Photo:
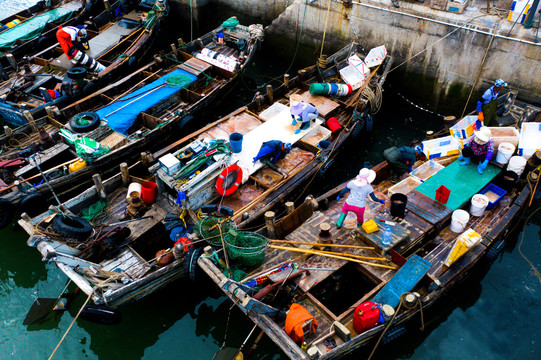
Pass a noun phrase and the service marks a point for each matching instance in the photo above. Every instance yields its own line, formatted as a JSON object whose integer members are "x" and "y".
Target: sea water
{"x": 190, "y": 321}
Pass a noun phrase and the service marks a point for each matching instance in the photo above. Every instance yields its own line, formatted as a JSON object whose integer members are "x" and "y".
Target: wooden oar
{"x": 321, "y": 244}
{"x": 313, "y": 252}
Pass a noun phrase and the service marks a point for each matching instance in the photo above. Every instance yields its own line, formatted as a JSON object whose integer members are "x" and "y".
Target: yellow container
{"x": 77, "y": 165}
{"x": 370, "y": 226}
{"x": 13, "y": 23}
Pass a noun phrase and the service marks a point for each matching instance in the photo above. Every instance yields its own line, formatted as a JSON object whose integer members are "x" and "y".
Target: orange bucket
{"x": 148, "y": 191}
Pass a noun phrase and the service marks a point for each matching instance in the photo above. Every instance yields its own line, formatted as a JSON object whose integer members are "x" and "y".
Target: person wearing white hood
{"x": 301, "y": 111}
{"x": 356, "y": 202}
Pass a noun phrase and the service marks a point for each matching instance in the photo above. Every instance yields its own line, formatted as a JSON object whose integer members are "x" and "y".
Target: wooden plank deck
{"x": 428, "y": 209}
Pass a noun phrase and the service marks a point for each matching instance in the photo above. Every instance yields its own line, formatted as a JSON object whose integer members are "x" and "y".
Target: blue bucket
{"x": 323, "y": 144}
{"x": 235, "y": 140}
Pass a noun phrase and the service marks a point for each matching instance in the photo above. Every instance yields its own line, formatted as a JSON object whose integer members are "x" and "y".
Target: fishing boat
{"x": 360, "y": 290}
{"x": 141, "y": 112}
{"x": 205, "y": 169}
{"x": 34, "y": 28}
{"x": 113, "y": 241}
{"x": 118, "y": 38}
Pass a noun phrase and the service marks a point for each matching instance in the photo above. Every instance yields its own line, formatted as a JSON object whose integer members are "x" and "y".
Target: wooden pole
{"x": 269, "y": 223}
{"x": 290, "y": 207}
{"x": 286, "y": 80}
{"x": 125, "y": 174}
{"x": 99, "y": 186}
{"x": 270, "y": 94}
{"x": 30, "y": 120}
{"x": 322, "y": 244}
{"x": 174, "y": 51}
{"x": 313, "y": 252}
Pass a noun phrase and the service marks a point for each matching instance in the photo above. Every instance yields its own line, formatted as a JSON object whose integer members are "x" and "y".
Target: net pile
{"x": 209, "y": 229}
{"x": 246, "y": 247}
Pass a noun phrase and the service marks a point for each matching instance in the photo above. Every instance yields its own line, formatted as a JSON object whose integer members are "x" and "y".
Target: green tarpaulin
{"x": 463, "y": 181}
{"x": 33, "y": 27}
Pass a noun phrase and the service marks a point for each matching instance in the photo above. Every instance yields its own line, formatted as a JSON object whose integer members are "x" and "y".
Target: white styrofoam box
{"x": 170, "y": 164}
{"x": 352, "y": 77}
{"x": 530, "y": 139}
{"x": 439, "y": 147}
{"x": 316, "y": 134}
{"x": 376, "y": 56}
{"x": 405, "y": 186}
{"x": 359, "y": 65}
{"x": 466, "y": 127}
{"x": 508, "y": 134}
{"x": 519, "y": 8}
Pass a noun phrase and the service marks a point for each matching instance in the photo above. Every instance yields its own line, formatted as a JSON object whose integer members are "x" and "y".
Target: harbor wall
{"x": 439, "y": 60}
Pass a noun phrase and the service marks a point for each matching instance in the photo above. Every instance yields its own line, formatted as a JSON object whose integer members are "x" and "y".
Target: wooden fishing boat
{"x": 117, "y": 41}
{"x": 268, "y": 118}
{"x": 155, "y": 106}
{"x": 34, "y": 29}
{"x": 365, "y": 290}
{"x": 125, "y": 252}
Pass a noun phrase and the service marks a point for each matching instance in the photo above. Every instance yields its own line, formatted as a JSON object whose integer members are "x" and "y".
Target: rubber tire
{"x": 185, "y": 121}
{"x": 393, "y": 333}
{"x": 358, "y": 129}
{"x": 94, "y": 122}
{"x": 495, "y": 250}
{"x": 73, "y": 227}
{"x": 191, "y": 269}
{"x": 6, "y": 212}
{"x": 101, "y": 314}
{"x": 76, "y": 73}
{"x": 33, "y": 204}
{"x": 212, "y": 208}
{"x": 89, "y": 88}
{"x": 325, "y": 168}
{"x": 369, "y": 124}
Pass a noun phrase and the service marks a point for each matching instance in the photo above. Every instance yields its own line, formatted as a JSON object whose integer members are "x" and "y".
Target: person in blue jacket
{"x": 487, "y": 106}
{"x": 360, "y": 188}
{"x": 271, "y": 151}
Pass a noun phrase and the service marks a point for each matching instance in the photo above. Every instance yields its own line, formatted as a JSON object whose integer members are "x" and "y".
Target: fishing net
{"x": 178, "y": 81}
{"x": 95, "y": 212}
{"x": 209, "y": 229}
{"x": 230, "y": 23}
{"x": 83, "y": 120}
{"x": 246, "y": 247}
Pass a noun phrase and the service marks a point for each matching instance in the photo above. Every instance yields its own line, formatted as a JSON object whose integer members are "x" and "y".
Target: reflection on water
{"x": 10, "y": 7}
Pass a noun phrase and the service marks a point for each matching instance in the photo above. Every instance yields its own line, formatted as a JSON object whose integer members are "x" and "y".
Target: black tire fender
{"x": 92, "y": 116}
{"x": 495, "y": 250}
{"x": 72, "y": 227}
{"x": 33, "y": 204}
{"x": 190, "y": 263}
{"x": 76, "y": 73}
{"x": 325, "y": 168}
{"x": 6, "y": 212}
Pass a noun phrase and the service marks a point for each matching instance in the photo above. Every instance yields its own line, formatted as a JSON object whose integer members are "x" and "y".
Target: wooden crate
{"x": 114, "y": 141}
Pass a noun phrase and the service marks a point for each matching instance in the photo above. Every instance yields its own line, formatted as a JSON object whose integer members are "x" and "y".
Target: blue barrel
{"x": 235, "y": 140}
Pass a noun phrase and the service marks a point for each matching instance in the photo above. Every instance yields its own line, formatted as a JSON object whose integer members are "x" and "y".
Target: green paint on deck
{"x": 463, "y": 181}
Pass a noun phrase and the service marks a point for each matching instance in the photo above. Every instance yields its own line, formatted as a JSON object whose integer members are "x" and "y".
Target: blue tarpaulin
{"x": 142, "y": 100}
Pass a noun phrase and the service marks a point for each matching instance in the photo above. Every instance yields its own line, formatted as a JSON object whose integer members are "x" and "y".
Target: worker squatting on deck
{"x": 356, "y": 202}
{"x": 74, "y": 41}
{"x": 402, "y": 158}
{"x": 487, "y": 105}
{"x": 301, "y": 112}
{"x": 480, "y": 148}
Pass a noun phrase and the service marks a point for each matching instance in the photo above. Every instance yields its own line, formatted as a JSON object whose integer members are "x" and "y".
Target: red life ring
{"x": 221, "y": 178}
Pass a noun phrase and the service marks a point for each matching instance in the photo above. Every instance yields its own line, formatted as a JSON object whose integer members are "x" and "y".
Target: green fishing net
{"x": 245, "y": 247}
{"x": 209, "y": 229}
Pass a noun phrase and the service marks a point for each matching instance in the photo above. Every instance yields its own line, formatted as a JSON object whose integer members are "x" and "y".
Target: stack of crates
{"x": 464, "y": 129}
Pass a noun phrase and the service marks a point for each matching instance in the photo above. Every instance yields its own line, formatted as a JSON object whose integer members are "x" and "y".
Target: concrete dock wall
{"x": 443, "y": 52}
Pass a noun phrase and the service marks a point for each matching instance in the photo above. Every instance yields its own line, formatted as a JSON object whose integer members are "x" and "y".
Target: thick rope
{"x": 325, "y": 29}
{"x": 535, "y": 270}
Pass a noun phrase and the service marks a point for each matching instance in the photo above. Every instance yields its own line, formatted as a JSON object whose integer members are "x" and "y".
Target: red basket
{"x": 442, "y": 194}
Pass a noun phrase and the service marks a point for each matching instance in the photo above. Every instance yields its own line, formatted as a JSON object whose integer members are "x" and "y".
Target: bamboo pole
{"x": 134, "y": 86}
{"x": 306, "y": 251}
{"x": 123, "y": 40}
{"x": 345, "y": 254}
{"x": 321, "y": 244}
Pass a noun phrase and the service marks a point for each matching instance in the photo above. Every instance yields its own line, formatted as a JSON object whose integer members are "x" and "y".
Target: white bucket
{"x": 505, "y": 151}
{"x": 459, "y": 219}
{"x": 134, "y": 190}
{"x": 479, "y": 203}
{"x": 517, "y": 164}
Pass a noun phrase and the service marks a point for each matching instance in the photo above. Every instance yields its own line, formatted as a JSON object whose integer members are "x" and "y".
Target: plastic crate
{"x": 442, "y": 194}
{"x": 405, "y": 186}
{"x": 465, "y": 127}
{"x": 427, "y": 170}
{"x": 498, "y": 192}
{"x": 530, "y": 139}
{"x": 438, "y": 4}
{"x": 456, "y": 6}
{"x": 439, "y": 147}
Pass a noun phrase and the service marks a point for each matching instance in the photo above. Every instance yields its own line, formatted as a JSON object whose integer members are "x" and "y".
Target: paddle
{"x": 41, "y": 307}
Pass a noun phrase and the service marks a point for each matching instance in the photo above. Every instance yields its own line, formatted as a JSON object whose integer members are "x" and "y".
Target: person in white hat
{"x": 480, "y": 148}
{"x": 301, "y": 112}
{"x": 71, "y": 38}
{"x": 356, "y": 202}
{"x": 487, "y": 106}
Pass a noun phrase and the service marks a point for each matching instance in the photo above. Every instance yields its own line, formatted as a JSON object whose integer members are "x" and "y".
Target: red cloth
{"x": 296, "y": 316}
{"x": 64, "y": 39}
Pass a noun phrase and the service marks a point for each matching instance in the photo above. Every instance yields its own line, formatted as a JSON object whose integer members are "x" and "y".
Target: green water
{"x": 495, "y": 314}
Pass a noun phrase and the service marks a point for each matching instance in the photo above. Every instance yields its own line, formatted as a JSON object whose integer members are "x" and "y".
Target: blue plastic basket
{"x": 495, "y": 189}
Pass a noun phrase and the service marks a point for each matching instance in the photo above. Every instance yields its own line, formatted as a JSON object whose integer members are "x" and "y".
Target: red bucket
{"x": 148, "y": 191}
{"x": 333, "y": 124}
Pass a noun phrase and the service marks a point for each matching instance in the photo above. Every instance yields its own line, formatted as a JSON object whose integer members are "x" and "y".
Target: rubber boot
{"x": 466, "y": 161}
{"x": 341, "y": 220}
